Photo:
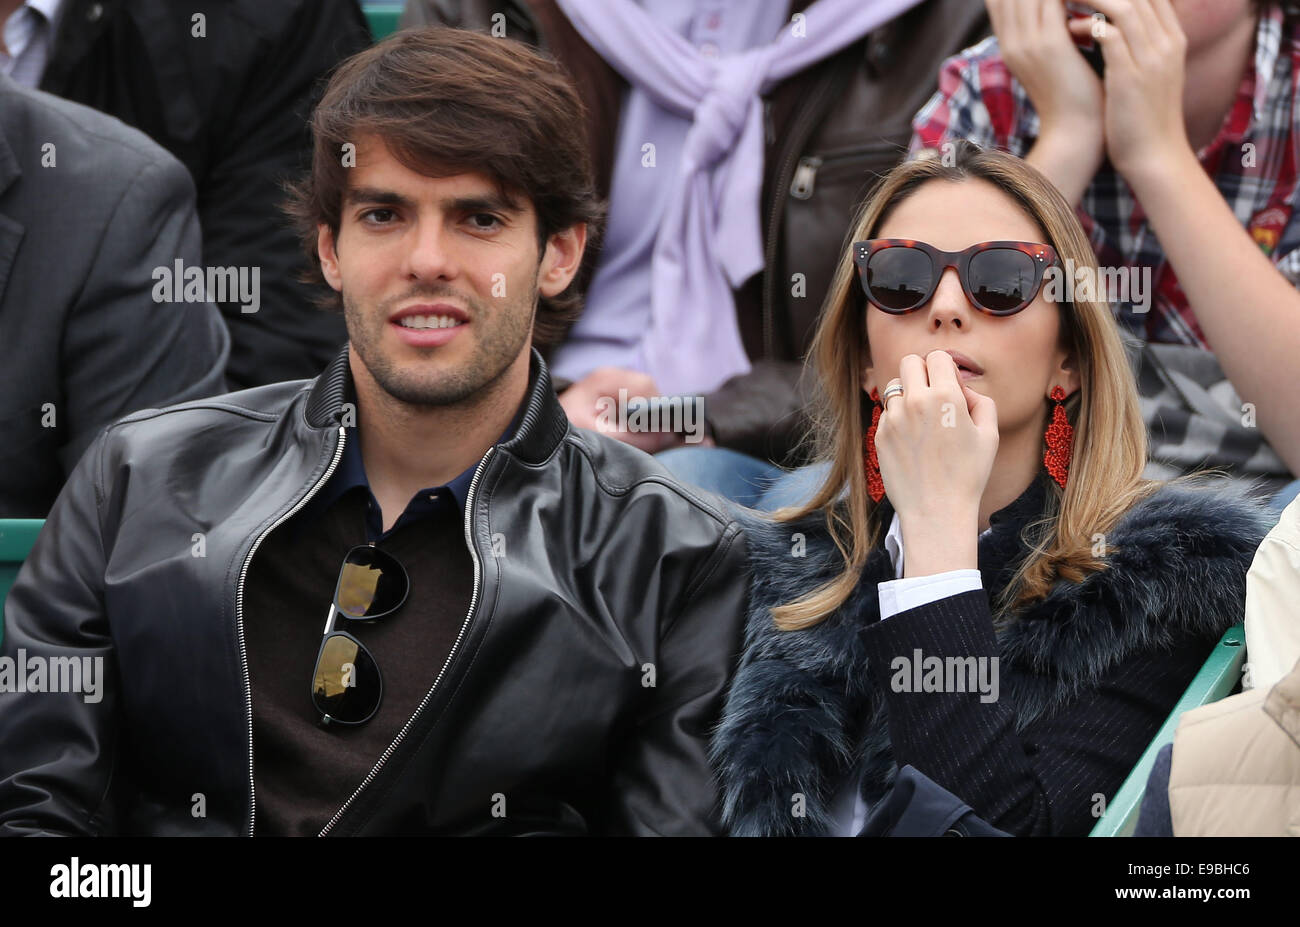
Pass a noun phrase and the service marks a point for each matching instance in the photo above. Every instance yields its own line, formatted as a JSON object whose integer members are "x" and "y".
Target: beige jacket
{"x": 1273, "y": 604}
{"x": 1236, "y": 765}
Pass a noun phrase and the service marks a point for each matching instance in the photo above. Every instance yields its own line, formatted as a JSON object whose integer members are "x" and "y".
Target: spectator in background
{"x": 1182, "y": 159}
{"x": 226, "y": 88}
{"x": 1236, "y": 765}
{"x": 720, "y": 296}
{"x": 1272, "y": 591}
{"x": 88, "y": 209}
{"x": 1233, "y": 768}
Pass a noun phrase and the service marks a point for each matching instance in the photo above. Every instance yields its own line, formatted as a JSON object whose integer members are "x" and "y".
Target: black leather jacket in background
{"x": 608, "y": 576}
{"x": 232, "y": 105}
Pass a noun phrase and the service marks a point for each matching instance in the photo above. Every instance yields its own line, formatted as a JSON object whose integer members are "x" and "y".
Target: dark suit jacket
{"x": 232, "y": 104}
{"x": 88, "y": 209}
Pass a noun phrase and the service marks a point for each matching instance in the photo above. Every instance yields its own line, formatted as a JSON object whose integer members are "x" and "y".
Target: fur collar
{"x": 802, "y": 714}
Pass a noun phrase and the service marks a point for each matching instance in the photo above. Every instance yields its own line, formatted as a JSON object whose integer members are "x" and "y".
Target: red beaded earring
{"x": 1059, "y": 438}
{"x": 875, "y": 485}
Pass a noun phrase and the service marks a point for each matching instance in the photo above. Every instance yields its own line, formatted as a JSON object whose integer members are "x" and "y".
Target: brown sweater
{"x": 303, "y": 771}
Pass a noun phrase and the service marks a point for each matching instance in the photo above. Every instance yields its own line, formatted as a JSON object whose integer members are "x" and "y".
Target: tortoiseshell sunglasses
{"x": 999, "y": 277}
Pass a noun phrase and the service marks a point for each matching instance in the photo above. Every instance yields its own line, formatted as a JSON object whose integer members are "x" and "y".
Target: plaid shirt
{"x": 1252, "y": 161}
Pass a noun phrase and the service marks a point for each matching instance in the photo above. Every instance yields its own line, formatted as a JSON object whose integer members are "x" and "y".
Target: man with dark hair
{"x": 405, "y": 597}
{"x": 474, "y": 131}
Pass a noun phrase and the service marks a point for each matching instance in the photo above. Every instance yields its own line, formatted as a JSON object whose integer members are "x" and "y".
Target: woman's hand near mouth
{"x": 936, "y": 444}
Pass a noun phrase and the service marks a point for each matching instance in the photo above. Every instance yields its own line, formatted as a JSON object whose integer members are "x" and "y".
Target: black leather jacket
{"x": 582, "y": 687}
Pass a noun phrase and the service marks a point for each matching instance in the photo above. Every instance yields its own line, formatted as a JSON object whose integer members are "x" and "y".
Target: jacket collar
{"x": 542, "y": 423}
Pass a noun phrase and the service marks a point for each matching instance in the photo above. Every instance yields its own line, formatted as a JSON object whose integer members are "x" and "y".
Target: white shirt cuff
{"x": 899, "y": 595}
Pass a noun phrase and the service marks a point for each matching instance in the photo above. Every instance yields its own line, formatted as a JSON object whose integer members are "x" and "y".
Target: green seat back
{"x": 382, "y": 18}
{"x": 17, "y": 535}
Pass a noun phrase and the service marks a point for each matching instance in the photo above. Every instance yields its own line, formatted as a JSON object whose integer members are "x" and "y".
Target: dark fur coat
{"x": 802, "y": 714}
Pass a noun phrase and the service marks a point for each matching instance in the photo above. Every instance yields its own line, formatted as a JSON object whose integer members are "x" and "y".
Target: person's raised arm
{"x": 978, "y": 102}
{"x": 1249, "y": 312}
{"x": 1066, "y": 94}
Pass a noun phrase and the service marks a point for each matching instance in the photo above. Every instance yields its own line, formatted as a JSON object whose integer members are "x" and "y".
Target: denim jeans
{"x": 735, "y": 476}
{"x": 740, "y": 478}
{"x": 1284, "y": 496}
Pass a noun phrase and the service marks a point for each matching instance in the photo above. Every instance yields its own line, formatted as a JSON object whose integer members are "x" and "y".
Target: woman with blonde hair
{"x": 983, "y": 586}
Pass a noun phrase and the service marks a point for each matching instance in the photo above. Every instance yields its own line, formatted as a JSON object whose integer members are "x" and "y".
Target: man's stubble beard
{"x": 501, "y": 336}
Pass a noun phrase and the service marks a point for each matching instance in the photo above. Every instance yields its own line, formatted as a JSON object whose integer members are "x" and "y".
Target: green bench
{"x": 1217, "y": 679}
{"x": 382, "y": 18}
{"x": 17, "y": 535}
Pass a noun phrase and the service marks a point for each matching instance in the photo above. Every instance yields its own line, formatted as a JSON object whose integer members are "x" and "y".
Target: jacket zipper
{"x": 464, "y": 626}
{"x": 239, "y": 615}
{"x": 798, "y": 137}
{"x": 805, "y": 175}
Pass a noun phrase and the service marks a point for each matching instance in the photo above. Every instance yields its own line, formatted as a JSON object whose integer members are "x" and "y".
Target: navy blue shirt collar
{"x": 351, "y": 474}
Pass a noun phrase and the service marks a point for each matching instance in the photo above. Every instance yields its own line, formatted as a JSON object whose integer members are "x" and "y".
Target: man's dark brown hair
{"x": 450, "y": 101}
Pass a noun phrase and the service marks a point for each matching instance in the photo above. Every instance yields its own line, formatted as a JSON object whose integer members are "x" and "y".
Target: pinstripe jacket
{"x": 1084, "y": 677}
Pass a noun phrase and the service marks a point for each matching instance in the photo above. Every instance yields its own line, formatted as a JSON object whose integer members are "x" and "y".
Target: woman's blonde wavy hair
{"x": 1110, "y": 444}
